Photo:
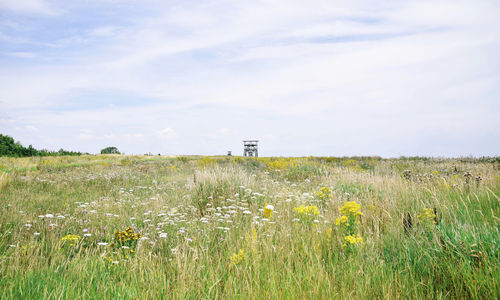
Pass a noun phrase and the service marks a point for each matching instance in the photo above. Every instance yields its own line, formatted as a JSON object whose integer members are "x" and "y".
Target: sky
{"x": 323, "y": 78}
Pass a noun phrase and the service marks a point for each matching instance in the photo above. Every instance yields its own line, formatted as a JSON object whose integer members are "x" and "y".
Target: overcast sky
{"x": 329, "y": 78}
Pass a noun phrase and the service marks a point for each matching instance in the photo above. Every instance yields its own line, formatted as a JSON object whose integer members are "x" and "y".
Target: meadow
{"x": 156, "y": 227}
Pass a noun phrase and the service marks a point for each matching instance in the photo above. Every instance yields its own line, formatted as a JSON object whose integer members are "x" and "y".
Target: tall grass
{"x": 204, "y": 233}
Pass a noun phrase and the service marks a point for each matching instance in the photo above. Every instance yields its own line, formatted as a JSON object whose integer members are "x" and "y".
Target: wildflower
{"x": 126, "y": 236}
{"x": 427, "y": 216}
{"x": 236, "y": 258}
{"x": 268, "y": 211}
{"x": 252, "y": 239}
{"x": 163, "y": 235}
{"x": 307, "y": 214}
{"x": 102, "y": 244}
{"x": 307, "y": 210}
{"x": 324, "y": 193}
{"x": 352, "y": 239}
{"x": 342, "y": 220}
{"x": 351, "y": 208}
{"x": 71, "y": 239}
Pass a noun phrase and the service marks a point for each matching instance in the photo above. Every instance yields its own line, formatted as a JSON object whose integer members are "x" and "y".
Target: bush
{"x": 110, "y": 150}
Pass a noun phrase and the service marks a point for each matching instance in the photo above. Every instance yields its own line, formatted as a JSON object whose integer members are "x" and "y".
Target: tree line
{"x": 9, "y": 147}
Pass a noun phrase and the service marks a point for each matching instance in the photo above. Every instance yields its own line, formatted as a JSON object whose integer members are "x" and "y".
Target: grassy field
{"x": 139, "y": 227}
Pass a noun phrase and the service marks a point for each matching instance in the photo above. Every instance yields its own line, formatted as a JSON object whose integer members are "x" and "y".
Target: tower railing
{"x": 250, "y": 148}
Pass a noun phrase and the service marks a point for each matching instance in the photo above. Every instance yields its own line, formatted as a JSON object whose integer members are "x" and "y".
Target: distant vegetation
{"x": 110, "y": 150}
{"x": 8, "y": 147}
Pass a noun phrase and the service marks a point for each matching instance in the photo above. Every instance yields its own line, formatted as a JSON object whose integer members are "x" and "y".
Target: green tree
{"x": 110, "y": 150}
{"x": 9, "y": 147}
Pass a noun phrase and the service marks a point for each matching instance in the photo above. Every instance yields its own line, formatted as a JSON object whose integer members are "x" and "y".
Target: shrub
{"x": 110, "y": 150}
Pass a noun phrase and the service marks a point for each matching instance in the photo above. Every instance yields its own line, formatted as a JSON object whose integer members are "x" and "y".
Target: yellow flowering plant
{"x": 427, "y": 219}
{"x": 70, "y": 239}
{"x": 307, "y": 213}
{"x": 127, "y": 239}
{"x": 268, "y": 211}
{"x": 348, "y": 221}
{"x": 126, "y": 242}
{"x": 251, "y": 240}
{"x": 324, "y": 194}
{"x": 237, "y": 258}
{"x": 350, "y": 215}
{"x": 427, "y": 216}
{"x": 342, "y": 220}
{"x": 352, "y": 239}
{"x": 351, "y": 208}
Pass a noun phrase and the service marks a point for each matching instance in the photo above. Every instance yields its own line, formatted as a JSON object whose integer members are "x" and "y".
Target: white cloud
{"x": 105, "y": 31}
{"x": 86, "y": 134}
{"x": 22, "y": 54}
{"x": 31, "y": 128}
{"x": 223, "y": 131}
{"x": 134, "y": 135}
{"x": 28, "y": 7}
{"x": 167, "y": 133}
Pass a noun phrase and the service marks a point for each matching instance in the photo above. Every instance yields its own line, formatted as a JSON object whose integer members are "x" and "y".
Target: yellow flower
{"x": 251, "y": 239}
{"x": 329, "y": 233}
{"x": 126, "y": 235}
{"x": 324, "y": 193}
{"x": 342, "y": 220}
{"x": 71, "y": 238}
{"x": 352, "y": 239}
{"x": 427, "y": 216}
{"x": 268, "y": 211}
{"x": 307, "y": 210}
{"x": 236, "y": 258}
{"x": 351, "y": 208}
